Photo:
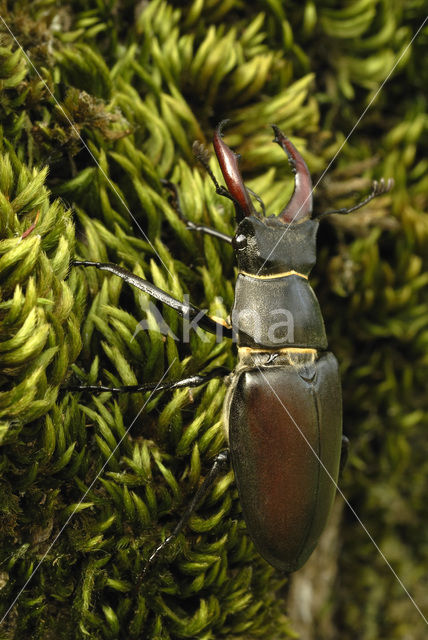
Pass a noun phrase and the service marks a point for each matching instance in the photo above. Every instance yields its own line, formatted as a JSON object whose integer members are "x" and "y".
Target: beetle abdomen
{"x": 285, "y": 418}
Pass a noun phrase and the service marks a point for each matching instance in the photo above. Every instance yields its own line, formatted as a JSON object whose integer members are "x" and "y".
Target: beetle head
{"x": 271, "y": 244}
{"x": 265, "y": 246}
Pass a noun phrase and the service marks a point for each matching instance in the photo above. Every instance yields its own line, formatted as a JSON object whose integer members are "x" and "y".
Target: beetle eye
{"x": 239, "y": 242}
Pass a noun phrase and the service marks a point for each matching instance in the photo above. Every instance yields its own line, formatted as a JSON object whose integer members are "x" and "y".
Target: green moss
{"x": 107, "y": 104}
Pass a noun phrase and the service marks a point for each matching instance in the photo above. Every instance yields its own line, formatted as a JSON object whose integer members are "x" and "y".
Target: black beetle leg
{"x": 192, "y": 226}
{"x": 220, "y": 464}
{"x": 191, "y": 381}
{"x": 187, "y": 310}
{"x": 344, "y": 453}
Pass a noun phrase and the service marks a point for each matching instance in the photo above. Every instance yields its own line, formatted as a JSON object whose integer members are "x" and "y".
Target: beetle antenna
{"x": 192, "y": 226}
{"x": 259, "y": 200}
{"x": 202, "y": 154}
{"x": 379, "y": 189}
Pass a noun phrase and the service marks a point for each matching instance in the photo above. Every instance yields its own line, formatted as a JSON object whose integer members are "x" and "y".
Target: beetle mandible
{"x": 282, "y": 412}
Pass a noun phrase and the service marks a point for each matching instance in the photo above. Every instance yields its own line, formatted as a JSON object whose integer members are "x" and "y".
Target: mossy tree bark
{"x": 100, "y": 104}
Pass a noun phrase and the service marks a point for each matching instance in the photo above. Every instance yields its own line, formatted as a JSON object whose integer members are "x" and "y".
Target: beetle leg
{"x": 379, "y": 189}
{"x": 187, "y": 310}
{"x": 192, "y": 226}
{"x": 191, "y": 381}
{"x": 344, "y": 453}
{"x": 220, "y": 465}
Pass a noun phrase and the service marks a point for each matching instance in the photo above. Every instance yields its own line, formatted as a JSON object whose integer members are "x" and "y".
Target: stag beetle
{"x": 282, "y": 412}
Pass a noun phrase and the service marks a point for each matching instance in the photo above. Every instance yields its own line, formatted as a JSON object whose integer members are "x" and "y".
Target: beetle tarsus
{"x": 220, "y": 465}
{"x": 154, "y": 387}
{"x": 186, "y": 310}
